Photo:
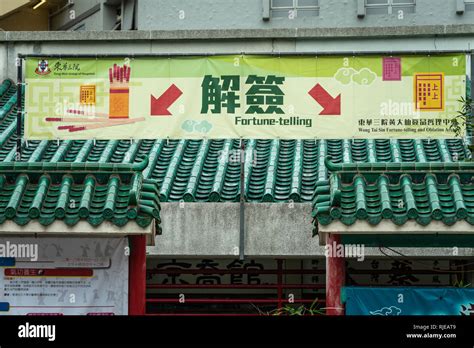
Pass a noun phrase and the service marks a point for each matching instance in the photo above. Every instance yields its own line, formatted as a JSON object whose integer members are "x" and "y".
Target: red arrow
{"x": 159, "y": 106}
{"x": 331, "y": 106}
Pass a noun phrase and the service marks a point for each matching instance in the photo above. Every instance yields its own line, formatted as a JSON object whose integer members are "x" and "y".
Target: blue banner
{"x": 7, "y": 262}
{"x": 408, "y": 301}
{"x": 4, "y": 306}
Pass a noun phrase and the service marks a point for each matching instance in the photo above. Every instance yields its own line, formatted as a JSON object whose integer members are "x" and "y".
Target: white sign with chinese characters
{"x": 72, "y": 276}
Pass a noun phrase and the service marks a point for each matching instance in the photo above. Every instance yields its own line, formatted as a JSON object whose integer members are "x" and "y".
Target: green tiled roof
{"x": 71, "y": 192}
{"x": 196, "y": 170}
{"x": 396, "y": 191}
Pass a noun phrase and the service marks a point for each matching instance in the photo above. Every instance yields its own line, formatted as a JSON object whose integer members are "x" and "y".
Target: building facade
{"x": 196, "y": 255}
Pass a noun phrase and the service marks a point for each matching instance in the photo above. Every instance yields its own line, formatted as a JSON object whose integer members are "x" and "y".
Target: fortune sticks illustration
{"x": 119, "y": 103}
{"x": 119, "y": 92}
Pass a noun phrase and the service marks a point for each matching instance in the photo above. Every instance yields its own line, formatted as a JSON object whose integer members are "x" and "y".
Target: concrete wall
{"x": 79, "y": 8}
{"x": 247, "y": 14}
{"x": 94, "y": 15}
{"x": 213, "y": 229}
{"x": 271, "y": 230}
{"x": 315, "y": 40}
{"x": 89, "y": 15}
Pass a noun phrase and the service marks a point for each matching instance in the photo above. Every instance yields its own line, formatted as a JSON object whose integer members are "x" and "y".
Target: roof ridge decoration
{"x": 76, "y": 167}
{"x": 71, "y": 192}
{"x": 383, "y": 167}
{"x": 409, "y": 191}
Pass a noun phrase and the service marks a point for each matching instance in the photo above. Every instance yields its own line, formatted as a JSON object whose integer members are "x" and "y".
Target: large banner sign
{"x": 408, "y": 301}
{"x": 63, "y": 276}
{"x": 244, "y": 96}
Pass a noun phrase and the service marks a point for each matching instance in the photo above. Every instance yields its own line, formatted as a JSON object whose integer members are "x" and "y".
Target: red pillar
{"x": 335, "y": 276}
{"x": 137, "y": 275}
{"x": 280, "y": 282}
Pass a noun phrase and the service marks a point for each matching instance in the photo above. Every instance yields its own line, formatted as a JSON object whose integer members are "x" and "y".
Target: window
{"x": 294, "y": 8}
{"x": 469, "y": 5}
{"x": 389, "y": 6}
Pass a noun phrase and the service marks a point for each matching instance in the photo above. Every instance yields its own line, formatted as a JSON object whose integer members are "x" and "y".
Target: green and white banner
{"x": 244, "y": 96}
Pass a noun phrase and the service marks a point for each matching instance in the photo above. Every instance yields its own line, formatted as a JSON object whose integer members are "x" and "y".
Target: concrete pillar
{"x": 3, "y": 60}
{"x": 335, "y": 277}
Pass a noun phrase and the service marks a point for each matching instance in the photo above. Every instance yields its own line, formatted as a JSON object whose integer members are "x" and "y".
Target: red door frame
{"x": 137, "y": 275}
{"x": 335, "y": 277}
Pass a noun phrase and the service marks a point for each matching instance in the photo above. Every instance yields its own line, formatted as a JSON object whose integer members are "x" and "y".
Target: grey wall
{"x": 271, "y": 230}
{"x": 90, "y": 15}
{"x": 212, "y": 229}
{"x": 80, "y": 7}
{"x": 230, "y": 26}
{"x": 315, "y": 40}
{"x": 247, "y": 14}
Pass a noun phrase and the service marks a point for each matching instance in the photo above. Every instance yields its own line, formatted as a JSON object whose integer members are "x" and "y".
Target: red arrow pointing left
{"x": 159, "y": 106}
{"x": 331, "y": 106}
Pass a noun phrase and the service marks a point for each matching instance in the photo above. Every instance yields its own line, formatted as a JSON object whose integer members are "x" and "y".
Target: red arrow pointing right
{"x": 331, "y": 106}
{"x": 159, "y": 106}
